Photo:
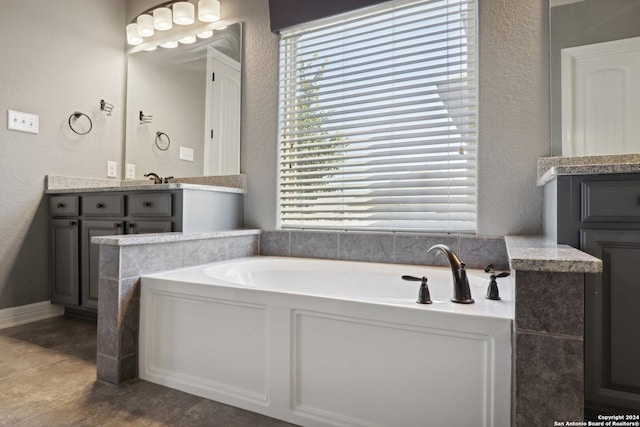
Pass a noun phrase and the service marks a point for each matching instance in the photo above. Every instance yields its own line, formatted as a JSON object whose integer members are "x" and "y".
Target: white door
{"x": 222, "y": 148}
{"x": 601, "y": 98}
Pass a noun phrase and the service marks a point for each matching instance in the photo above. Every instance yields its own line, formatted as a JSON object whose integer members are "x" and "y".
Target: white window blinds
{"x": 378, "y": 119}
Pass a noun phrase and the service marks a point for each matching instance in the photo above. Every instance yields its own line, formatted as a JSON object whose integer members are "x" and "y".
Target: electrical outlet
{"x": 131, "y": 171}
{"x": 112, "y": 169}
{"x": 23, "y": 122}
{"x": 186, "y": 154}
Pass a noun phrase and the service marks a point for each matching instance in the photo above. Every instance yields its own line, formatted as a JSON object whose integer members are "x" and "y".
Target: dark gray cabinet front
{"x": 600, "y": 214}
{"x": 612, "y": 323}
{"x": 63, "y": 247}
{"x": 90, "y": 257}
{"x": 77, "y": 218}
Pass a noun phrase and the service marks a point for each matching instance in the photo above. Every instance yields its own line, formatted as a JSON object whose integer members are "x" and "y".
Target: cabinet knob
{"x": 147, "y": 204}
{"x": 117, "y": 225}
{"x": 100, "y": 205}
{"x": 72, "y": 223}
{"x": 60, "y": 205}
{"x": 132, "y": 225}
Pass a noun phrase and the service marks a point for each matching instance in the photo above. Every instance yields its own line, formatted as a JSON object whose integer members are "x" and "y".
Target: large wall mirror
{"x": 184, "y": 107}
{"x": 600, "y": 43}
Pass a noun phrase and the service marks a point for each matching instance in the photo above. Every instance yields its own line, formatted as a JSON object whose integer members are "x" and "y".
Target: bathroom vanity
{"x": 594, "y": 204}
{"x": 76, "y": 216}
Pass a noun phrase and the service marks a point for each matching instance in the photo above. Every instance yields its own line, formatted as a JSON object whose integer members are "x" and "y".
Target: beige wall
{"x": 57, "y": 57}
{"x": 66, "y": 55}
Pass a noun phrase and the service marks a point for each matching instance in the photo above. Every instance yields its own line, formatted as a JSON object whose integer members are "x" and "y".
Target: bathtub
{"x": 330, "y": 343}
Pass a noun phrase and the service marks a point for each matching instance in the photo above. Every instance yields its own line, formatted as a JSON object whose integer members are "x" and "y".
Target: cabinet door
{"x": 90, "y": 258}
{"x": 612, "y": 321}
{"x": 63, "y": 260}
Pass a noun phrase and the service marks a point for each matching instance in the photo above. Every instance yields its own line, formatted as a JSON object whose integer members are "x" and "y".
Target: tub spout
{"x": 461, "y": 290}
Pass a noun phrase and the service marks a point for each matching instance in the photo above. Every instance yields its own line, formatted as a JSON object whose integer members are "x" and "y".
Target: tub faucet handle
{"x": 424, "y": 297}
{"x": 492, "y": 291}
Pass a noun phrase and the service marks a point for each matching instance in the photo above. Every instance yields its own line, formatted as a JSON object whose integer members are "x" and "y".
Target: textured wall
{"x": 514, "y": 114}
{"x": 57, "y": 57}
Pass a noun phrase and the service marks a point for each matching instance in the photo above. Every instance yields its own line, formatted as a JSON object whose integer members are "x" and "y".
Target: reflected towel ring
{"x": 162, "y": 141}
{"x": 76, "y": 116}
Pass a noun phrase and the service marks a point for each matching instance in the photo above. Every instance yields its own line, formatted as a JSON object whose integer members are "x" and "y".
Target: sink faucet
{"x": 461, "y": 290}
{"x": 155, "y": 177}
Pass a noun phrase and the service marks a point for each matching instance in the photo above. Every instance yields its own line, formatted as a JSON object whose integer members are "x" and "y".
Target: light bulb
{"x": 209, "y": 10}
{"x": 133, "y": 37}
{"x": 183, "y": 12}
{"x": 162, "y": 19}
{"x": 170, "y": 45}
{"x": 205, "y": 34}
{"x": 188, "y": 39}
{"x": 145, "y": 25}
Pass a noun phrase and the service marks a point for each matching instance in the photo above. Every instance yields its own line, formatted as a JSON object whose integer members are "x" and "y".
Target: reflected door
{"x": 601, "y": 98}
{"x": 223, "y": 147}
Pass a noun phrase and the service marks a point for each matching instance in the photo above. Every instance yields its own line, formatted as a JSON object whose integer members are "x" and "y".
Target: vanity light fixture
{"x": 145, "y": 25}
{"x": 162, "y": 20}
{"x": 133, "y": 36}
{"x": 208, "y": 10}
{"x": 183, "y": 13}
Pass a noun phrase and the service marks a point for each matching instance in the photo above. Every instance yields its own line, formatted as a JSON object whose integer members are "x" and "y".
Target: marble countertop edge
{"x": 147, "y": 187}
{"x": 549, "y": 168}
{"x": 59, "y": 184}
{"x": 154, "y": 238}
{"x": 535, "y": 253}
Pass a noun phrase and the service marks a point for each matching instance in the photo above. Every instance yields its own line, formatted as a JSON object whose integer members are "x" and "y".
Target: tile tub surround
{"x": 123, "y": 259}
{"x": 551, "y": 167}
{"x": 548, "y": 330}
{"x": 397, "y": 248}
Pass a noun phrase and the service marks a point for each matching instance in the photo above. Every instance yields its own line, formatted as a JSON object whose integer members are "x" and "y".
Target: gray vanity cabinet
{"x": 76, "y": 219}
{"x": 600, "y": 214}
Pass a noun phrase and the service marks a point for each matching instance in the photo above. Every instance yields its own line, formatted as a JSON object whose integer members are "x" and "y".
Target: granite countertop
{"x": 146, "y": 187}
{"x": 535, "y": 253}
{"x": 551, "y": 167}
{"x": 151, "y": 238}
{"x": 56, "y": 184}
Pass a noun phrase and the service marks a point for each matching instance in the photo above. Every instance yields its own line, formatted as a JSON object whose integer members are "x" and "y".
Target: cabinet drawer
{"x": 150, "y": 204}
{"x": 103, "y": 205}
{"x": 63, "y": 205}
{"x": 611, "y": 201}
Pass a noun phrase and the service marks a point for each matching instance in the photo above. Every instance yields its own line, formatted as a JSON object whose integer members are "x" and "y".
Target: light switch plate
{"x": 186, "y": 154}
{"x": 131, "y": 171}
{"x": 112, "y": 169}
{"x": 23, "y": 122}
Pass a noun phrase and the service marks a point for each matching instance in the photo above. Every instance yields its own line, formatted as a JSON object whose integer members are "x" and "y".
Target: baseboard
{"x": 14, "y": 316}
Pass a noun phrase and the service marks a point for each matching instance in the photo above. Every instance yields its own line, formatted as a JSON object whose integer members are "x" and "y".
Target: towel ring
{"x": 162, "y": 141}
{"x": 77, "y": 115}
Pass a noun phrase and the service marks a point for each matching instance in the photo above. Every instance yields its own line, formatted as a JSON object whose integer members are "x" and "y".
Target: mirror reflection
{"x": 191, "y": 96}
{"x": 589, "y": 103}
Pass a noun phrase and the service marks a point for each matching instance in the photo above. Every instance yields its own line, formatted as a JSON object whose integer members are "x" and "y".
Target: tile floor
{"x": 48, "y": 378}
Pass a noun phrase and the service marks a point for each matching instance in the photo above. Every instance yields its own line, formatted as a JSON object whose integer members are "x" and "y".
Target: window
{"x": 378, "y": 119}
